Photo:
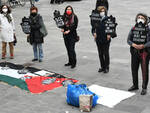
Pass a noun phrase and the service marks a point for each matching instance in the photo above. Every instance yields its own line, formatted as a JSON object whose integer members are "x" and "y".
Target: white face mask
{"x": 5, "y": 10}
{"x": 102, "y": 14}
{"x": 140, "y": 20}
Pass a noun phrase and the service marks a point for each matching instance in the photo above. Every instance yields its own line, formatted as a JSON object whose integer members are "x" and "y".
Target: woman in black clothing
{"x": 102, "y": 3}
{"x": 102, "y": 40}
{"x": 70, "y": 35}
{"x": 139, "y": 41}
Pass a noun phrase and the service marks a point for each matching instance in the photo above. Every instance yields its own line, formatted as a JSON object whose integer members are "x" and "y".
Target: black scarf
{"x": 7, "y": 15}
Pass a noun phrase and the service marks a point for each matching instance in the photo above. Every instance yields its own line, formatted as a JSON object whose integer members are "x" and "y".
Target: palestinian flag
{"x": 32, "y": 79}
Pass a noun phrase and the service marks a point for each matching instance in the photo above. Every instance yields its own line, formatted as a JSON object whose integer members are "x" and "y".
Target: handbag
{"x": 15, "y": 40}
{"x": 77, "y": 38}
{"x": 43, "y": 29}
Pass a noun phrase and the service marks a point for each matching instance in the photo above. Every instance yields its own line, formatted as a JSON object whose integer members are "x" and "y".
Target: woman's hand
{"x": 95, "y": 35}
{"x": 67, "y": 32}
{"x": 108, "y": 37}
{"x": 62, "y": 30}
{"x": 138, "y": 46}
{"x": 141, "y": 46}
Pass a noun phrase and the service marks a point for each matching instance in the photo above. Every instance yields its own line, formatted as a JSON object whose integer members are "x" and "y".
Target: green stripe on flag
{"x": 14, "y": 82}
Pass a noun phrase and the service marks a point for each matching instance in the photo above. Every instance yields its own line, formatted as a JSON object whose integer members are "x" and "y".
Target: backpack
{"x": 26, "y": 28}
{"x": 43, "y": 29}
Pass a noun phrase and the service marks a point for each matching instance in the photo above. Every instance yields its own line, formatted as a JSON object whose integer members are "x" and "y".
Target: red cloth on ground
{"x": 35, "y": 84}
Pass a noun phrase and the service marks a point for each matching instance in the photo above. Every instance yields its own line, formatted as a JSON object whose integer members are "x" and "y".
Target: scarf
{"x": 8, "y": 17}
{"x": 69, "y": 20}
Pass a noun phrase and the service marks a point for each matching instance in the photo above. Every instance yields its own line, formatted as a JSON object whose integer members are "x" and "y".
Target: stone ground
{"x": 15, "y": 100}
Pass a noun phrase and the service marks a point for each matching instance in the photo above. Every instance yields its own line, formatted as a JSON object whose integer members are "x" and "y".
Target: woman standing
{"x": 7, "y": 30}
{"x": 139, "y": 41}
{"x": 102, "y": 40}
{"x": 70, "y": 35}
{"x": 36, "y": 36}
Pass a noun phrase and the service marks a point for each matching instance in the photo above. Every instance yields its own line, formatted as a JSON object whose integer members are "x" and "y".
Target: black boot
{"x": 132, "y": 88}
{"x": 34, "y": 60}
{"x": 68, "y": 64}
{"x": 73, "y": 66}
{"x": 144, "y": 91}
{"x": 100, "y": 70}
{"x": 106, "y": 70}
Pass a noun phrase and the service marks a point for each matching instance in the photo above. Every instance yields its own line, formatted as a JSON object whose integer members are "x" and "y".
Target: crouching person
{"x": 36, "y": 37}
{"x": 7, "y": 30}
{"x": 139, "y": 41}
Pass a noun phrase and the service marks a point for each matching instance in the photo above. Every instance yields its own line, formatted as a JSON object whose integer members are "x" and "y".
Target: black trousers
{"x": 70, "y": 46}
{"x": 103, "y": 51}
{"x": 137, "y": 58}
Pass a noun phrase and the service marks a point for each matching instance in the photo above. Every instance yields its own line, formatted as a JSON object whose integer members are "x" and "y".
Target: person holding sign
{"x": 37, "y": 34}
{"x": 70, "y": 35}
{"x": 139, "y": 41}
{"x": 102, "y": 39}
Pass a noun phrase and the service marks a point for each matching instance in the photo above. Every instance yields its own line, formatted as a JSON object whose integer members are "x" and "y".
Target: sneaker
{"x": 40, "y": 60}
{"x": 34, "y": 60}
{"x": 11, "y": 57}
{"x": 3, "y": 58}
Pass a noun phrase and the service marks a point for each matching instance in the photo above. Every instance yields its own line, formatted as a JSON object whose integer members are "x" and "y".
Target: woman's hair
{"x": 142, "y": 14}
{"x": 9, "y": 10}
{"x": 100, "y": 8}
{"x": 67, "y": 8}
{"x": 33, "y": 8}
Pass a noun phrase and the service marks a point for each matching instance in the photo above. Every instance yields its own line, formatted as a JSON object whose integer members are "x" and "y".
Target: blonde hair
{"x": 99, "y": 8}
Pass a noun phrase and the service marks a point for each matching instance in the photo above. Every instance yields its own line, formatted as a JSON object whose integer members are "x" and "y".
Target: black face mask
{"x": 33, "y": 14}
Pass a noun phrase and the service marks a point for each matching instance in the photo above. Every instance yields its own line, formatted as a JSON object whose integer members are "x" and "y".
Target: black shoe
{"x": 40, "y": 60}
{"x": 100, "y": 70}
{"x": 106, "y": 70}
{"x": 73, "y": 66}
{"x": 34, "y": 60}
{"x": 3, "y": 58}
{"x": 132, "y": 88}
{"x": 68, "y": 64}
{"x": 144, "y": 91}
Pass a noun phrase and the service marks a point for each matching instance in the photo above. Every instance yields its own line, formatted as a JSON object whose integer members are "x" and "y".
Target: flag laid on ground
{"x": 30, "y": 78}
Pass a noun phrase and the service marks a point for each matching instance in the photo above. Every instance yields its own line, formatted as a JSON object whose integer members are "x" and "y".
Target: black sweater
{"x": 100, "y": 32}
{"x": 72, "y": 28}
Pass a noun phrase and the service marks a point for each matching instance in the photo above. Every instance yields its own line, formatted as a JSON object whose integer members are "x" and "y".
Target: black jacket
{"x": 130, "y": 36}
{"x": 100, "y": 32}
{"x": 36, "y": 36}
{"x": 102, "y": 3}
{"x": 72, "y": 28}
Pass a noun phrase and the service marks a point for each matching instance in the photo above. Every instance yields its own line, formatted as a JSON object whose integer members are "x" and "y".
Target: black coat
{"x": 102, "y": 3}
{"x": 35, "y": 35}
{"x": 72, "y": 28}
{"x": 100, "y": 32}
